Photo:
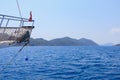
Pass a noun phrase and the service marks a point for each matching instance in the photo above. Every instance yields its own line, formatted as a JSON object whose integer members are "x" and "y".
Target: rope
{"x": 13, "y": 57}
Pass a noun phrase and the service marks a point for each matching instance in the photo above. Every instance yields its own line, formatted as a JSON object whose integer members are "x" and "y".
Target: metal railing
{"x": 6, "y": 19}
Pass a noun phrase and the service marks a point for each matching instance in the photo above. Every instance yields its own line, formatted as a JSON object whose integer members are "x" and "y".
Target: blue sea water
{"x": 60, "y": 63}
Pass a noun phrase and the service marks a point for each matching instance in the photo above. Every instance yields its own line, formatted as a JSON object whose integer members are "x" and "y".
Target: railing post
{"x": 32, "y": 23}
{"x": 7, "y": 22}
{"x": 21, "y": 22}
{"x": 1, "y": 21}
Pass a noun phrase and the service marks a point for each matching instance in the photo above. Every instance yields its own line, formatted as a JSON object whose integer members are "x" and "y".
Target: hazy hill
{"x": 87, "y": 42}
{"x": 117, "y": 45}
{"x": 38, "y": 41}
{"x": 66, "y": 41}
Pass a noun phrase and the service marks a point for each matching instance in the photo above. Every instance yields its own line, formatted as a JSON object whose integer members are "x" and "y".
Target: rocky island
{"x": 66, "y": 41}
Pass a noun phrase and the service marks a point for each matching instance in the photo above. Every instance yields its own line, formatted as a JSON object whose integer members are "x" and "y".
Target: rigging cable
{"x": 20, "y": 48}
{"x": 19, "y": 8}
{"x": 13, "y": 57}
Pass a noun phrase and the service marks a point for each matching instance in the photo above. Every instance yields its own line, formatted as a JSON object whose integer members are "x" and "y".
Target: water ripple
{"x": 61, "y": 63}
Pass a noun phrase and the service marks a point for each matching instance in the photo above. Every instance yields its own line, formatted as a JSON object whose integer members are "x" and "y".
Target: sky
{"x": 98, "y": 20}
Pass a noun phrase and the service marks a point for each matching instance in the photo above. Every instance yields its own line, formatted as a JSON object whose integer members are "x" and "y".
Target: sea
{"x": 60, "y": 63}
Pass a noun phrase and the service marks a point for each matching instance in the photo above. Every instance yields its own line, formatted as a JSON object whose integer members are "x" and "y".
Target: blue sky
{"x": 98, "y": 20}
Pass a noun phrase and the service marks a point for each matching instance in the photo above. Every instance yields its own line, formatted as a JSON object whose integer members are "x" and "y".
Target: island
{"x": 65, "y": 41}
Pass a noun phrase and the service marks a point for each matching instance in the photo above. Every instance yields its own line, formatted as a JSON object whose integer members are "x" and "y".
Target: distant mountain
{"x": 117, "y": 45}
{"x": 66, "y": 41}
{"x": 38, "y": 41}
{"x": 87, "y": 42}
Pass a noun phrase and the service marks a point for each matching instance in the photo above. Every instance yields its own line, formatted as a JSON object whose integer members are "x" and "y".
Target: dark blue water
{"x": 61, "y": 63}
